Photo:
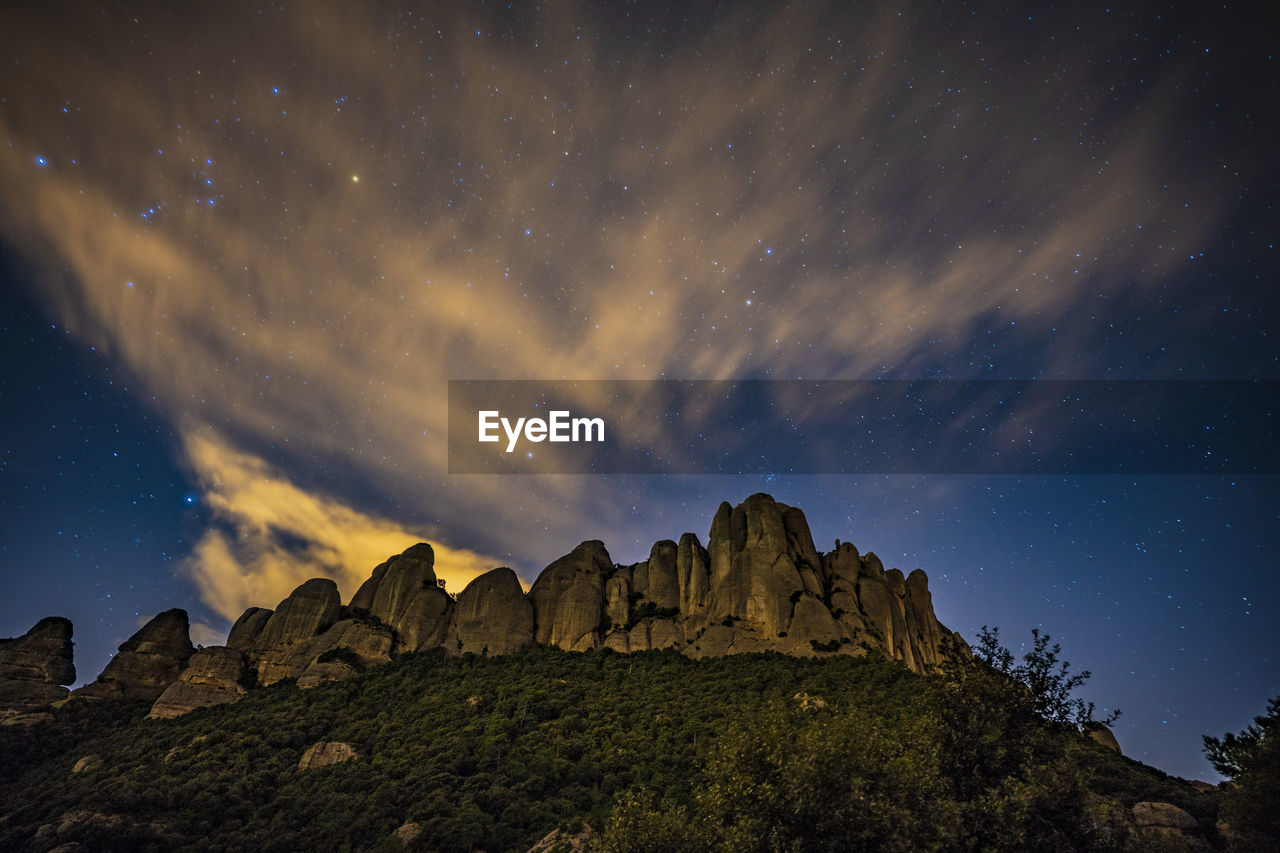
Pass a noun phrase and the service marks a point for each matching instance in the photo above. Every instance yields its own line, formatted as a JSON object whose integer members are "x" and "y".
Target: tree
{"x": 1251, "y": 760}
{"x": 1049, "y": 681}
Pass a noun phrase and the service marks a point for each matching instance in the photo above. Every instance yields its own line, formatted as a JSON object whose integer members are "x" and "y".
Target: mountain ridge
{"x": 759, "y": 584}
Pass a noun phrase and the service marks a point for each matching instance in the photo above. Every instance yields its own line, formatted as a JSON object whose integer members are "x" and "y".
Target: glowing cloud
{"x": 270, "y": 536}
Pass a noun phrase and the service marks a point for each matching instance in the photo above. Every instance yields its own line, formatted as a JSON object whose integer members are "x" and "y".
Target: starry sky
{"x": 244, "y": 248}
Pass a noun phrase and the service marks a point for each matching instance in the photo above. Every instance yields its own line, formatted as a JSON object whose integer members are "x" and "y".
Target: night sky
{"x": 243, "y": 249}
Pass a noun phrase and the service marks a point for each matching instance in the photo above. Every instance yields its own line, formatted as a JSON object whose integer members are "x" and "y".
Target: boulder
{"x": 87, "y": 764}
{"x": 566, "y": 841}
{"x": 146, "y": 663}
{"x": 213, "y": 676}
{"x": 325, "y": 753}
{"x": 1100, "y": 733}
{"x": 407, "y": 832}
{"x": 1162, "y": 815}
{"x": 492, "y": 613}
{"x": 1166, "y": 827}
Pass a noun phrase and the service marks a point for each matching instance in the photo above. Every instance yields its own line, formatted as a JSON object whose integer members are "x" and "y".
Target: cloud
{"x": 270, "y": 536}
{"x": 206, "y": 635}
{"x": 545, "y": 199}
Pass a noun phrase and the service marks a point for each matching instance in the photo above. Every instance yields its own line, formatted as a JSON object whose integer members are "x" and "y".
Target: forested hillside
{"x": 652, "y": 750}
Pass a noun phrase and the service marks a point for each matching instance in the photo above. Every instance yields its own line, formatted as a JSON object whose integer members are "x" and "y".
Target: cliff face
{"x": 147, "y": 662}
{"x": 759, "y": 584}
{"x": 32, "y": 669}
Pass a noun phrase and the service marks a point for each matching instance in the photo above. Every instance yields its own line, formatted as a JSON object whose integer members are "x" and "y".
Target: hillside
{"x": 753, "y": 694}
{"x": 492, "y": 753}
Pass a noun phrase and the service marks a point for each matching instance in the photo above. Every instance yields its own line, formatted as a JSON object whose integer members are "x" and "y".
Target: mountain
{"x": 752, "y": 694}
{"x": 759, "y": 585}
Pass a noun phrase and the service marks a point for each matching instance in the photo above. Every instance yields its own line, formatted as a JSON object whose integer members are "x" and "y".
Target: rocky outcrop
{"x": 87, "y": 764}
{"x": 1169, "y": 826}
{"x": 33, "y": 669}
{"x": 492, "y": 614}
{"x": 245, "y": 632}
{"x": 310, "y": 609}
{"x": 403, "y": 593}
{"x": 406, "y": 832}
{"x": 356, "y": 644}
{"x": 325, "y": 753}
{"x": 568, "y": 598}
{"x": 213, "y": 676}
{"x": 147, "y": 663}
{"x": 693, "y": 567}
{"x": 759, "y": 585}
{"x": 1100, "y": 733}
{"x": 657, "y": 579}
{"x": 755, "y": 567}
{"x": 566, "y": 840}
{"x": 349, "y": 647}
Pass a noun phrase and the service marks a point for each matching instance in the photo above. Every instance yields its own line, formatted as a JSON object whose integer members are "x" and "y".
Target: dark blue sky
{"x": 243, "y": 253}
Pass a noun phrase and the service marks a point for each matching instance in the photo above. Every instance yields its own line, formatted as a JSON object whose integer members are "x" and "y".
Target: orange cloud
{"x": 271, "y": 536}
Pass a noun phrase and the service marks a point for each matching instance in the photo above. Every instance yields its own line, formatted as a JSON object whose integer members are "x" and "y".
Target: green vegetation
{"x": 1251, "y": 760}
{"x": 657, "y": 751}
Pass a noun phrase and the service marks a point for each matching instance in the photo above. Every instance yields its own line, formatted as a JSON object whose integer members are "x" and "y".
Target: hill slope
{"x": 491, "y": 753}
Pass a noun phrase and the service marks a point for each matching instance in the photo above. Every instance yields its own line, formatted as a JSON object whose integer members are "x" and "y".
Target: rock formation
{"x": 212, "y": 676}
{"x": 1168, "y": 827}
{"x": 308, "y": 610}
{"x": 760, "y": 584}
{"x": 568, "y": 598}
{"x": 492, "y": 614}
{"x": 33, "y": 669}
{"x": 404, "y": 594}
{"x": 325, "y": 753}
{"x": 147, "y": 663}
{"x": 1100, "y": 733}
{"x": 245, "y": 632}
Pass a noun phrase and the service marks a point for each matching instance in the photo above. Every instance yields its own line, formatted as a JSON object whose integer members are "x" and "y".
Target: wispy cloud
{"x": 270, "y": 536}
{"x": 299, "y": 241}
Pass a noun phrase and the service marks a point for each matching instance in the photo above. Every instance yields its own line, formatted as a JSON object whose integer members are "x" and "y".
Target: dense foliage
{"x": 655, "y": 750}
{"x": 1251, "y": 760}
